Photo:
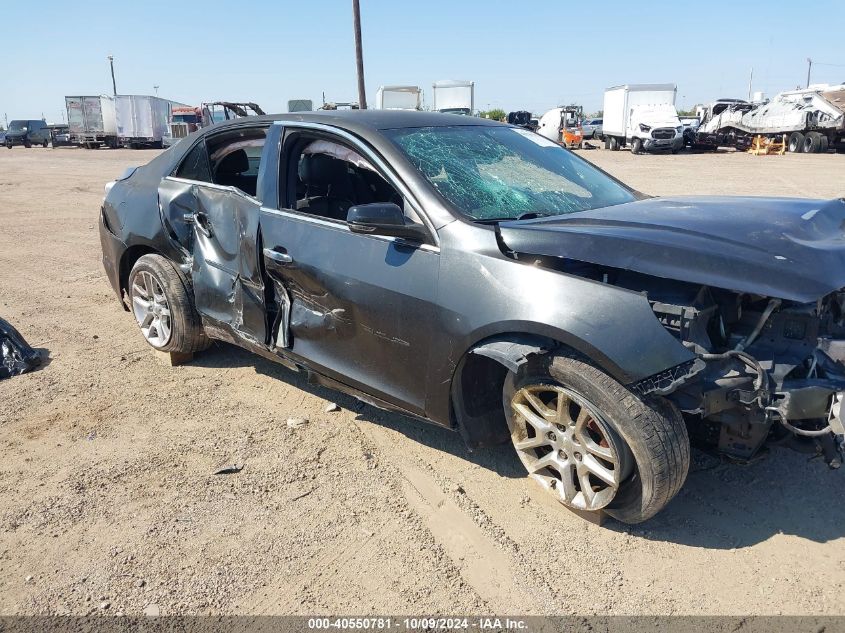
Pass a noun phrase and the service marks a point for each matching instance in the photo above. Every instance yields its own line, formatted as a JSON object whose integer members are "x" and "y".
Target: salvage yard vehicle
{"x": 453, "y": 96}
{"x": 27, "y": 132}
{"x": 562, "y": 125}
{"x": 481, "y": 277}
{"x": 60, "y": 136}
{"x": 91, "y": 120}
{"x": 642, "y": 116}
{"x": 811, "y": 119}
{"x": 399, "y": 98}
{"x": 187, "y": 119}
{"x": 592, "y": 128}
{"x": 142, "y": 120}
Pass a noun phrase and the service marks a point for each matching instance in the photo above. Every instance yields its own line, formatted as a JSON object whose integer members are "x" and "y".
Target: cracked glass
{"x": 505, "y": 173}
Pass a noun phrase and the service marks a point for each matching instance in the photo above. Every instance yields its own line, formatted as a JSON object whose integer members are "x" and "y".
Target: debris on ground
{"x": 331, "y": 407}
{"x": 16, "y": 356}
{"x": 295, "y": 423}
{"x": 229, "y": 469}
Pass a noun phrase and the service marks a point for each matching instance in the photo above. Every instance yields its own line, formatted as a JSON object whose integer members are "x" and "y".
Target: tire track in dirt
{"x": 488, "y": 560}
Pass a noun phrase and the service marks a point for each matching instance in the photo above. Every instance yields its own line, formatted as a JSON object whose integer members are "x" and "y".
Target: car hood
{"x": 792, "y": 249}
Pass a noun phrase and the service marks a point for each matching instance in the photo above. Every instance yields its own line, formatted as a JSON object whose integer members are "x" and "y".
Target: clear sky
{"x": 522, "y": 55}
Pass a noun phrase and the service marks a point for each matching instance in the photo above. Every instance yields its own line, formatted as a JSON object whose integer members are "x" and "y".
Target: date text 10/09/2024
{"x": 419, "y": 623}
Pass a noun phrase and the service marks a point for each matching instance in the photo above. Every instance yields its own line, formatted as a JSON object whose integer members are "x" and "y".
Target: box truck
{"x": 91, "y": 121}
{"x": 454, "y": 96}
{"x": 644, "y": 116}
{"x": 142, "y": 120}
{"x": 399, "y": 98}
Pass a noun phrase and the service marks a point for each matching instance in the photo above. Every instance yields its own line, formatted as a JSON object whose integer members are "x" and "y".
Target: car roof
{"x": 362, "y": 121}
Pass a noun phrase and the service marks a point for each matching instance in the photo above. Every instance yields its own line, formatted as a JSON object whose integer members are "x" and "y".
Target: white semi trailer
{"x": 812, "y": 120}
{"x": 399, "y": 98}
{"x": 454, "y": 96}
{"x": 91, "y": 121}
{"x": 644, "y": 116}
{"x": 142, "y": 120}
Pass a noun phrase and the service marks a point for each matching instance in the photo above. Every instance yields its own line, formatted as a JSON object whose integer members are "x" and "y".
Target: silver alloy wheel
{"x": 567, "y": 446}
{"x": 152, "y": 312}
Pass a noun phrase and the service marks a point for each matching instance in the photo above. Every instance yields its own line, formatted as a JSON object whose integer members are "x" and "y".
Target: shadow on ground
{"x": 721, "y": 506}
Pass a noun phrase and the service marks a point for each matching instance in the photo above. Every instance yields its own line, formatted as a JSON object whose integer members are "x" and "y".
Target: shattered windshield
{"x": 505, "y": 173}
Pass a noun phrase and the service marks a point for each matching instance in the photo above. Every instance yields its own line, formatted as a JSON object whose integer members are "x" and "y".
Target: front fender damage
{"x": 479, "y": 380}
{"x": 514, "y": 351}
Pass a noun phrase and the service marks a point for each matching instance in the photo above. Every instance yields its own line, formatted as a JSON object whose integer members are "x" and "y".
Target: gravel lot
{"x": 108, "y": 502}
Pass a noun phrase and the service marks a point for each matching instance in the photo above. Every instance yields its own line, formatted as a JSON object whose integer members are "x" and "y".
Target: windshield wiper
{"x": 531, "y": 215}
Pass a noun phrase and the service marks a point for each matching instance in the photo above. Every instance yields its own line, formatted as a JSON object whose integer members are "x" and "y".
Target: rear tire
{"x": 824, "y": 144}
{"x": 156, "y": 286}
{"x": 812, "y": 143}
{"x": 644, "y": 441}
{"x": 796, "y": 142}
{"x": 614, "y": 144}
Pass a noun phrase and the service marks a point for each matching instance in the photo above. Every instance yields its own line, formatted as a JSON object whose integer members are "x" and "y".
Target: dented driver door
{"x": 359, "y": 307}
{"x": 217, "y": 227}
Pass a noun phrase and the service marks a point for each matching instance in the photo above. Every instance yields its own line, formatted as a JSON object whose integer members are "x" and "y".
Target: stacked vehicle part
{"x": 813, "y": 120}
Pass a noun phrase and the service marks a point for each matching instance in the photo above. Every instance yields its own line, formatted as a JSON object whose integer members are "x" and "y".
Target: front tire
{"x": 163, "y": 305}
{"x": 591, "y": 442}
{"x": 637, "y": 146}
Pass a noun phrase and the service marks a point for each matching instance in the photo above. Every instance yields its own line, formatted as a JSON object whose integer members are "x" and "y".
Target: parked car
{"x": 690, "y": 125}
{"x": 27, "y": 132}
{"x": 480, "y": 277}
{"x": 592, "y": 128}
{"x": 2, "y": 137}
{"x": 60, "y": 136}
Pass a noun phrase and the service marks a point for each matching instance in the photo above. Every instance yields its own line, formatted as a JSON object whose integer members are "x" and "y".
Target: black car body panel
{"x": 779, "y": 247}
{"x": 397, "y": 322}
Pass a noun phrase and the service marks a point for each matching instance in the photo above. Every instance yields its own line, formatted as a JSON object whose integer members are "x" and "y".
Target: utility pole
{"x": 750, "y": 79}
{"x": 359, "y": 54}
{"x": 113, "y": 84}
{"x": 156, "y": 89}
{"x": 809, "y": 68}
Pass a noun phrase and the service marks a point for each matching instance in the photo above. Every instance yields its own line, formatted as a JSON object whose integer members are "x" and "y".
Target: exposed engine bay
{"x": 767, "y": 370}
{"x": 753, "y": 287}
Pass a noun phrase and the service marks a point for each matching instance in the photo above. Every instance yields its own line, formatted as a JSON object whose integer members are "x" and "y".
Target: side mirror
{"x": 384, "y": 218}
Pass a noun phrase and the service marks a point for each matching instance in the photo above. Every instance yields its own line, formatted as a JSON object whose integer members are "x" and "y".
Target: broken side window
{"x": 195, "y": 165}
{"x": 235, "y": 158}
{"x": 331, "y": 178}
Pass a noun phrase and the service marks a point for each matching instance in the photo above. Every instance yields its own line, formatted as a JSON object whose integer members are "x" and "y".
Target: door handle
{"x": 202, "y": 223}
{"x": 278, "y": 255}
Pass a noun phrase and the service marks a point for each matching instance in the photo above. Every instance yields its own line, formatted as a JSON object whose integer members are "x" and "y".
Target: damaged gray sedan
{"x": 478, "y": 276}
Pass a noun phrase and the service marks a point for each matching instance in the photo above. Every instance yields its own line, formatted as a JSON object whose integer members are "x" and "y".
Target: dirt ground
{"x": 108, "y": 502}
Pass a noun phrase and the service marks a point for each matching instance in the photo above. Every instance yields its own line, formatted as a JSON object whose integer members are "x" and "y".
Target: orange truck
{"x": 563, "y": 125}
